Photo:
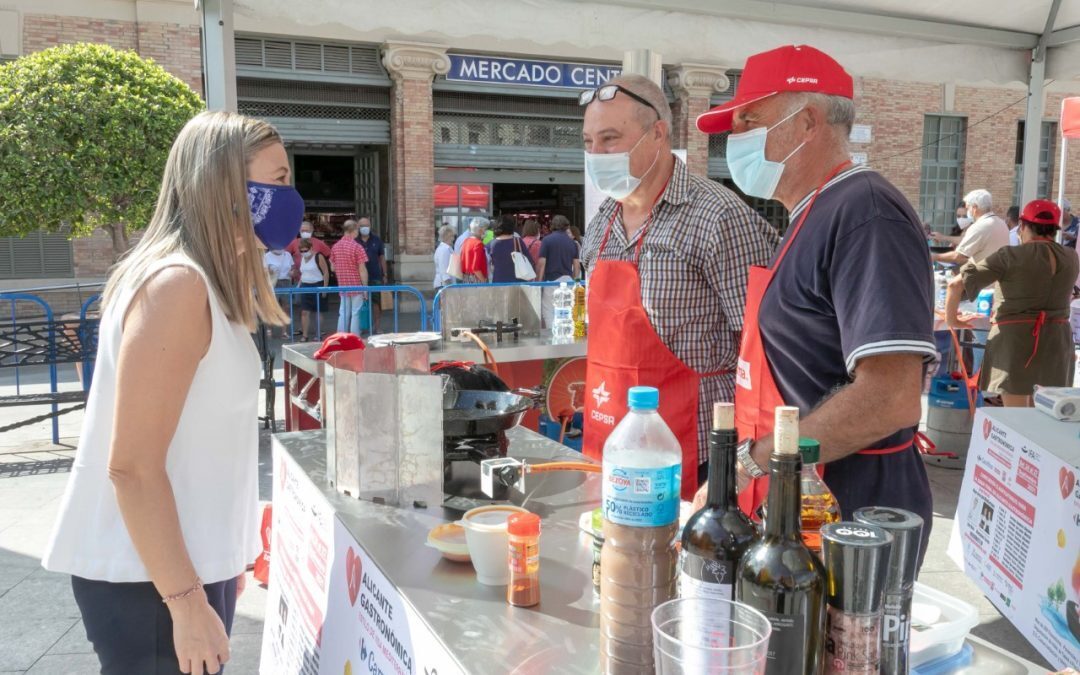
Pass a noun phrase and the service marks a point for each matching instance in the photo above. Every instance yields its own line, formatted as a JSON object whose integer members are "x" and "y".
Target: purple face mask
{"x": 276, "y": 212}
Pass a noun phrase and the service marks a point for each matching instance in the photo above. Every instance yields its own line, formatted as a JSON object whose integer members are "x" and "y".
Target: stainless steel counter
{"x": 474, "y": 622}
{"x": 526, "y": 348}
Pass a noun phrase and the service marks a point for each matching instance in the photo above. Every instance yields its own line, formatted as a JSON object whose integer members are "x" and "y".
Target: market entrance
{"x": 538, "y": 202}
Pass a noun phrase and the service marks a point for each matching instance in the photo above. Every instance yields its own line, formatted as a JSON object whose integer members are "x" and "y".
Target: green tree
{"x": 84, "y": 133}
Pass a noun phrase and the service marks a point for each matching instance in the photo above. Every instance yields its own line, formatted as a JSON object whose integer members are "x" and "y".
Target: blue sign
{"x": 495, "y": 70}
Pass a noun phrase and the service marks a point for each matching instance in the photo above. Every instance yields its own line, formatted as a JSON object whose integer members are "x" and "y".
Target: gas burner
{"x": 500, "y": 328}
{"x": 475, "y": 448}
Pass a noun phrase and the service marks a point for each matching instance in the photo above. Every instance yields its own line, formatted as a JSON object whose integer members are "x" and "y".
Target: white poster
{"x": 370, "y": 628}
{"x": 861, "y": 133}
{"x": 300, "y": 543}
{"x": 1018, "y": 533}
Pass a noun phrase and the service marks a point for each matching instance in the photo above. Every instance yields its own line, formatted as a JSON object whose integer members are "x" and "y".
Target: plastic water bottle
{"x": 984, "y": 302}
{"x": 563, "y": 325}
{"x": 642, "y": 477}
{"x": 941, "y": 287}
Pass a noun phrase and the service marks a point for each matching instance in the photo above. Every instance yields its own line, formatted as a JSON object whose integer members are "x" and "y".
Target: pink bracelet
{"x": 180, "y": 596}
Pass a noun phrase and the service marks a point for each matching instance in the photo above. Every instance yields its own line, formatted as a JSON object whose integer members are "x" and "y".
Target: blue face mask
{"x": 610, "y": 172}
{"x": 276, "y": 213}
{"x": 752, "y": 173}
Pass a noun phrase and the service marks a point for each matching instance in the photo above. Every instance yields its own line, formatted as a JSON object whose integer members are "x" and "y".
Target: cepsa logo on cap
{"x": 789, "y": 68}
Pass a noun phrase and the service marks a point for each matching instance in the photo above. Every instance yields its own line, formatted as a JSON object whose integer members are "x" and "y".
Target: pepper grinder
{"x": 856, "y": 558}
{"x": 906, "y": 529}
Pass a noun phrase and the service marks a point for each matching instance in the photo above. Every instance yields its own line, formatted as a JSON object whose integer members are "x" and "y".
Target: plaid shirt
{"x": 347, "y": 256}
{"x": 693, "y": 267}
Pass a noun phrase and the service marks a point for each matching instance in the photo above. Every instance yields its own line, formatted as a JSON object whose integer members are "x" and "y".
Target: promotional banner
{"x": 369, "y": 626}
{"x": 1018, "y": 533}
{"x": 303, "y": 530}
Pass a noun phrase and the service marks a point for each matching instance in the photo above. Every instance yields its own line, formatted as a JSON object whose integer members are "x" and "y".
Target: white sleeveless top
{"x": 310, "y": 273}
{"x": 212, "y": 461}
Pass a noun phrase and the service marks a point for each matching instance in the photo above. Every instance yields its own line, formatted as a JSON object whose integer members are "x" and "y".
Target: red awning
{"x": 1070, "y": 117}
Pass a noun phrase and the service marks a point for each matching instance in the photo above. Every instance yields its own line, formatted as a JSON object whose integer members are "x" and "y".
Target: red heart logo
{"x": 987, "y": 428}
{"x": 1066, "y": 481}
{"x": 352, "y": 574}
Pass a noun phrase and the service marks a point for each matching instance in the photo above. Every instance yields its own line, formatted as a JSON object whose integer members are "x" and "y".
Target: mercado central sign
{"x": 496, "y": 70}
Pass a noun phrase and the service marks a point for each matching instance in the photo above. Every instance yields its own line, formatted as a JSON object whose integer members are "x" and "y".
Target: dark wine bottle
{"x": 778, "y": 575}
{"x": 716, "y": 537}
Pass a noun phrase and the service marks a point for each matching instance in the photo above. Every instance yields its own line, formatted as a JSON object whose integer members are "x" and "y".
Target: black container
{"x": 856, "y": 558}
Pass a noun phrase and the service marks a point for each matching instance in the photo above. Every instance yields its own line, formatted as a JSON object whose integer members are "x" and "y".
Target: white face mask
{"x": 610, "y": 172}
{"x": 305, "y": 235}
{"x": 365, "y": 231}
{"x": 964, "y": 222}
{"x": 750, "y": 170}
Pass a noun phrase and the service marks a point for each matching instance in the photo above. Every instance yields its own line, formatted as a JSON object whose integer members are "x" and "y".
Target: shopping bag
{"x": 454, "y": 268}
{"x": 523, "y": 269}
{"x": 262, "y": 563}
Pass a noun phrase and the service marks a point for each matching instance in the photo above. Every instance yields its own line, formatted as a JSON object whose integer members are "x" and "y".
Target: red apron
{"x": 624, "y": 351}
{"x": 756, "y": 393}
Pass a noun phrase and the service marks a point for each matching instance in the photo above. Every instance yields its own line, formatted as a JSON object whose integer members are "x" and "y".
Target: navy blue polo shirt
{"x": 374, "y": 249}
{"x": 855, "y": 283}
{"x": 560, "y": 252}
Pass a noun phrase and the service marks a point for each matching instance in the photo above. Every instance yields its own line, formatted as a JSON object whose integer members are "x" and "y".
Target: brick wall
{"x": 685, "y": 135}
{"x": 93, "y": 255}
{"x": 41, "y": 31}
{"x": 413, "y": 156}
{"x": 990, "y": 155}
{"x": 176, "y": 48}
{"x": 895, "y": 111}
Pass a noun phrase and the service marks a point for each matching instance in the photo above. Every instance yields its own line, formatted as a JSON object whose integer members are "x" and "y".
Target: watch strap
{"x": 746, "y": 461}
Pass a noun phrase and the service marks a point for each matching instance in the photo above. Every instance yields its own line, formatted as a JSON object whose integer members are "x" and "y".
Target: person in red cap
{"x": 667, "y": 256}
{"x": 840, "y": 323}
{"x": 1030, "y": 342}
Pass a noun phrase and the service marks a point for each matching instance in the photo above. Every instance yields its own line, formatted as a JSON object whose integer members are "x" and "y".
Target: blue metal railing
{"x": 436, "y": 303}
{"x": 367, "y": 310}
{"x": 13, "y": 299}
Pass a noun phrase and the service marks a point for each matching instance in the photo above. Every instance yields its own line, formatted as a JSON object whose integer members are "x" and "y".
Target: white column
{"x": 644, "y": 62}
{"x": 1032, "y": 132}
{"x": 219, "y": 54}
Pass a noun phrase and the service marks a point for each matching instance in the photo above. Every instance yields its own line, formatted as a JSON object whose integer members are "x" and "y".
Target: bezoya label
{"x": 641, "y": 497}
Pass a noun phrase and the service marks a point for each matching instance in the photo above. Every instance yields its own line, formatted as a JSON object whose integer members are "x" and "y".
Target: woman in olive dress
{"x": 1030, "y": 341}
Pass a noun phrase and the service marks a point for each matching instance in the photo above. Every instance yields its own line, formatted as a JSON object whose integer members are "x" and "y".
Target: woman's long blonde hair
{"x": 202, "y": 212}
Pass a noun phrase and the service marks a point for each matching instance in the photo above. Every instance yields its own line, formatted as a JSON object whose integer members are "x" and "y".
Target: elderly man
{"x": 667, "y": 255}
{"x": 349, "y": 262}
{"x": 307, "y": 231}
{"x": 840, "y": 323}
{"x": 376, "y": 266}
{"x": 1070, "y": 224}
{"x": 986, "y": 233}
{"x": 443, "y": 251}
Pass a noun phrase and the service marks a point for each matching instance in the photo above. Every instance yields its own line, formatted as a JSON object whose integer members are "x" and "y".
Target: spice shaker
{"x": 906, "y": 529}
{"x": 856, "y": 558}
{"x": 523, "y": 534}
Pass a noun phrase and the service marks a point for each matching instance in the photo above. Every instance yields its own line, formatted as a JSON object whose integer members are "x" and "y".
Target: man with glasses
{"x": 667, "y": 257}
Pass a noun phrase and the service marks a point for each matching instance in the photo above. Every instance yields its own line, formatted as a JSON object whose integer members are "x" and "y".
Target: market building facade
{"x": 417, "y": 121}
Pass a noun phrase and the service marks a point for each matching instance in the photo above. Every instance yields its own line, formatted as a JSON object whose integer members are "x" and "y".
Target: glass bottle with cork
{"x": 716, "y": 537}
{"x": 779, "y": 576}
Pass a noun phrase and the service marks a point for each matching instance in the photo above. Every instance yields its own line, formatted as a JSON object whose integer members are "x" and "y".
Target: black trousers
{"x": 131, "y": 628}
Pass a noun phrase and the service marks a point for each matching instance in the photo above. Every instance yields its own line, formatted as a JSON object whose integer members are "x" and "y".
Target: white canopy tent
{"x": 1031, "y": 43}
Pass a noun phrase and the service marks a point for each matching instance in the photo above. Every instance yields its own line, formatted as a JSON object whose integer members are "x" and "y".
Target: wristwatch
{"x": 742, "y": 453}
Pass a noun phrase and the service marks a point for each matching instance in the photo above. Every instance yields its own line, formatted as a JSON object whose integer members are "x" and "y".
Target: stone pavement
{"x": 40, "y": 629}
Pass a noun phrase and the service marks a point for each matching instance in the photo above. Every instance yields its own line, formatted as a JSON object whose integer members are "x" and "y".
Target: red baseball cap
{"x": 787, "y": 68}
{"x": 338, "y": 342}
{"x": 1042, "y": 212}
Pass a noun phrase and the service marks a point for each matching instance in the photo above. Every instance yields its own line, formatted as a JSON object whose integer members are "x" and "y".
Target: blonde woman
{"x": 159, "y": 520}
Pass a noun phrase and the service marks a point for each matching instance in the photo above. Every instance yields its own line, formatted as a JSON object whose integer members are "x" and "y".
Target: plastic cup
{"x": 709, "y": 636}
{"x": 485, "y": 535}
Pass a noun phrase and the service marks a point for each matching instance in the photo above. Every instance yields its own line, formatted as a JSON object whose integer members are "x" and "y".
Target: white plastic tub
{"x": 939, "y": 624}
